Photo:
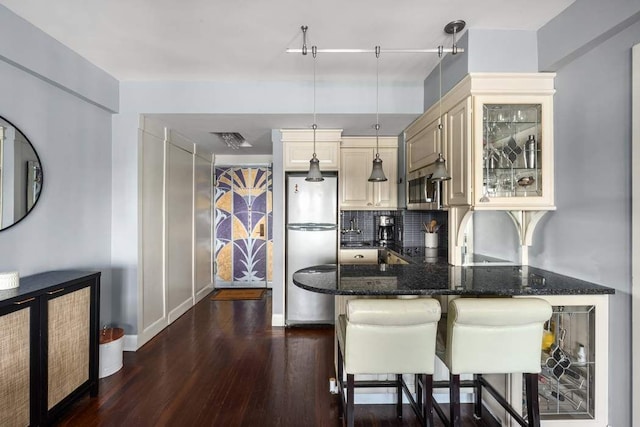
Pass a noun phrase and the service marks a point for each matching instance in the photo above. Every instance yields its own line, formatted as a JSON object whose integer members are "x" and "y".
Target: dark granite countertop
{"x": 440, "y": 279}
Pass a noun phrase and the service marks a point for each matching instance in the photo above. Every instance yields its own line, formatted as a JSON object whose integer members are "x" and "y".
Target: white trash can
{"x": 111, "y": 347}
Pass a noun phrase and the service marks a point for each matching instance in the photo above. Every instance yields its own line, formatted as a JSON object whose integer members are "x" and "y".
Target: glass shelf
{"x": 512, "y": 150}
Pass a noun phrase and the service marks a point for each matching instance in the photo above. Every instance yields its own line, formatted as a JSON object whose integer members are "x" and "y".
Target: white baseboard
{"x": 130, "y": 343}
{"x": 181, "y": 309}
{"x": 277, "y": 320}
{"x": 203, "y": 293}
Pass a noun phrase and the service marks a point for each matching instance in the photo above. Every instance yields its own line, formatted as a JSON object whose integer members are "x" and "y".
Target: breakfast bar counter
{"x": 441, "y": 279}
{"x": 580, "y": 319}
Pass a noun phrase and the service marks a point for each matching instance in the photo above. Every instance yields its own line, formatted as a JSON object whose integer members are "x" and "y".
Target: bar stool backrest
{"x": 495, "y": 335}
{"x": 390, "y": 335}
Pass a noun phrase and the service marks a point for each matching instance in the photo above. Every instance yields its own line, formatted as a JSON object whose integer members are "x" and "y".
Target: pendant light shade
{"x": 377, "y": 174}
{"x": 314, "y": 174}
{"x": 440, "y": 171}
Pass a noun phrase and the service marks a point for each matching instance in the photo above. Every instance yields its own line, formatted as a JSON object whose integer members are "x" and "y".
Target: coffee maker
{"x": 385, "y": 229}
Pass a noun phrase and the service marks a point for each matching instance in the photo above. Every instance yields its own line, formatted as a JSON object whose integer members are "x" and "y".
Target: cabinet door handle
{"x": 24, "y": 301}
{"x": 55, "y": 292}
{"x": 369, "y": 204}
{"x": 358, "y": 256}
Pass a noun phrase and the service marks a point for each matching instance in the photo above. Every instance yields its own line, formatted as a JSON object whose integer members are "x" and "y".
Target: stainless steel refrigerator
{"x": 312, "y": 233}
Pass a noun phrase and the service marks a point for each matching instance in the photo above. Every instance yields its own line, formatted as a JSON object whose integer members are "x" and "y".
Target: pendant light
{"x": 440, "y": 170}
{"x": 314, "y": 174}
{"x": 377, "y": 174}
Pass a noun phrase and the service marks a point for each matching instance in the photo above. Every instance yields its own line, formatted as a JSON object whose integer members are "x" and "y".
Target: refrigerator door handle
{"x": 312, "y": 227}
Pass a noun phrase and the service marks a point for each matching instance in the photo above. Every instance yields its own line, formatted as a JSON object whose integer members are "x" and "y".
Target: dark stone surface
{"x": 439, "y": 278}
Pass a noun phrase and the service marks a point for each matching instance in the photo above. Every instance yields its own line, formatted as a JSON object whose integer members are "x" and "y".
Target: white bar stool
{"x": 388, "y": 336}
{"x": 495, "y": 336}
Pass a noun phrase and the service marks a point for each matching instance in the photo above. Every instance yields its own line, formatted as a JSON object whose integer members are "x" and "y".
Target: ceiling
{"x": 240, "y": 40}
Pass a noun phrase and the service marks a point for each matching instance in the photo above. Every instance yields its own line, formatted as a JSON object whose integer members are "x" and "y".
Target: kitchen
{"x": 564, "y": 239}
{"x": 517, "y": 113}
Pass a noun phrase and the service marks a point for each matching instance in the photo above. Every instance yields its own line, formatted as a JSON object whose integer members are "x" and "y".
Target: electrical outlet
{"x": 333, "y": 386}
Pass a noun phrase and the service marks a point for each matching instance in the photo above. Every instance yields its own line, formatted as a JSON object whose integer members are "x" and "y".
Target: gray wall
{"x": 485, "y": 51}
{"x": 70, "y": 227}
{"x": 589, "y": 235}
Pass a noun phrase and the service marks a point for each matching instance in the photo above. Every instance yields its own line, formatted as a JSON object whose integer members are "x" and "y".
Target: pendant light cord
{"x": 377, "y": 49}
{"x": 440, "y": 50}
{"x": 314, "y": 51}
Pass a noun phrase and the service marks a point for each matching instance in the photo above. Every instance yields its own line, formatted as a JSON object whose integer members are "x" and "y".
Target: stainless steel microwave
{"x": 422, "y": 193}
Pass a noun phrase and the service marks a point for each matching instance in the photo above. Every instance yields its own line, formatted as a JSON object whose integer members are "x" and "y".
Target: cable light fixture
{"x": 314, "y": 174}
{"x": 377, "y": 174}
{"x": 440, "y": 170}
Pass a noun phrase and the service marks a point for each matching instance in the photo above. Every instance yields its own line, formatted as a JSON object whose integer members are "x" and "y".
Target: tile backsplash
{"x": 408, "y": 226}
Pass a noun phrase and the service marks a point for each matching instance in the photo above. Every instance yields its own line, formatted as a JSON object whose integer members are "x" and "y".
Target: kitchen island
{"x": 580, "y": 319}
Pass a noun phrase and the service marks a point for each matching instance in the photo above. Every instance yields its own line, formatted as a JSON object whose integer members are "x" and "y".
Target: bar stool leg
{"x": 427, "y": 405}
{"x": 533, "y": 404}
{"x": 477, "y": 408}
{"x": 340, "y": 380}
{"x": 350, "y": 396}
{"x": 399, "y": 392}
{"x": 419, "y": 397}
{"x": 454, "y": 400}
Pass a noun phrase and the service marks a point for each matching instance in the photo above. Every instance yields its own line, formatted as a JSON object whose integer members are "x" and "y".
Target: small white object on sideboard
{"x": 9, "y": 280}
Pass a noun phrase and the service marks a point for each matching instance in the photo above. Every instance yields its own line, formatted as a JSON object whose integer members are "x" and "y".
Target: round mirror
{"x": 20, "y": 175}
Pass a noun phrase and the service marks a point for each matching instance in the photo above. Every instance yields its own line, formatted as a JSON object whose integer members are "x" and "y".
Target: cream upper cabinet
{"x": 498, "y": 129}
{"x": 385, "y": 194}
{"x": 355, "y": 190}
{"x": 512, "y": 140}
{"x": 356, "y": 161}
{"x": 458, "y": 153}
{"x": 513, "y": 151}
{"x": 298, "y": 148}
{"x": 423, "y": 141}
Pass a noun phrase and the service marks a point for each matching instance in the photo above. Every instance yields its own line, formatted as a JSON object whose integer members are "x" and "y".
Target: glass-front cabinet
{"x": 513, "y": 152}
{"x": 501, "y": 157}
{"x": 574, "y": 362}
{"x": 566, "y": 383}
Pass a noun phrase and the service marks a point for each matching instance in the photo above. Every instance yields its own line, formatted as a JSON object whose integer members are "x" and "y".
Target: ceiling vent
{"x": 233, "y": 140}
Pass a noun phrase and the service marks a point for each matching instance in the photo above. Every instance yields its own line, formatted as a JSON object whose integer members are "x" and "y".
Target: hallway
{"x": 218, "y": 365}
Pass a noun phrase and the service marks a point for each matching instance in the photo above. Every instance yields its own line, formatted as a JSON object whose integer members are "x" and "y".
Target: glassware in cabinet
{"x": 566, "y": 385}
{"x": 512, "y": 150}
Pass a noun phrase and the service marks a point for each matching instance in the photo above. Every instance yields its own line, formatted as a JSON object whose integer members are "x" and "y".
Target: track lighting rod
{"x": 445, "y": 50}
{"x": 453, "y": 28}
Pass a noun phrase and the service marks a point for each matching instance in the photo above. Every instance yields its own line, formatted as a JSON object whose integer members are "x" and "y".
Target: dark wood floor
{"x": 221, "y": 364}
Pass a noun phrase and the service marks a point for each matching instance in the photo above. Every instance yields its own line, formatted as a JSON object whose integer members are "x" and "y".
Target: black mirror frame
{"x": 41, "y": 174}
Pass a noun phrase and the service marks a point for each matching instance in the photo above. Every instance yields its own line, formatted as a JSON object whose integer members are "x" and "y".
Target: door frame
{"x": 262, "y": 284}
